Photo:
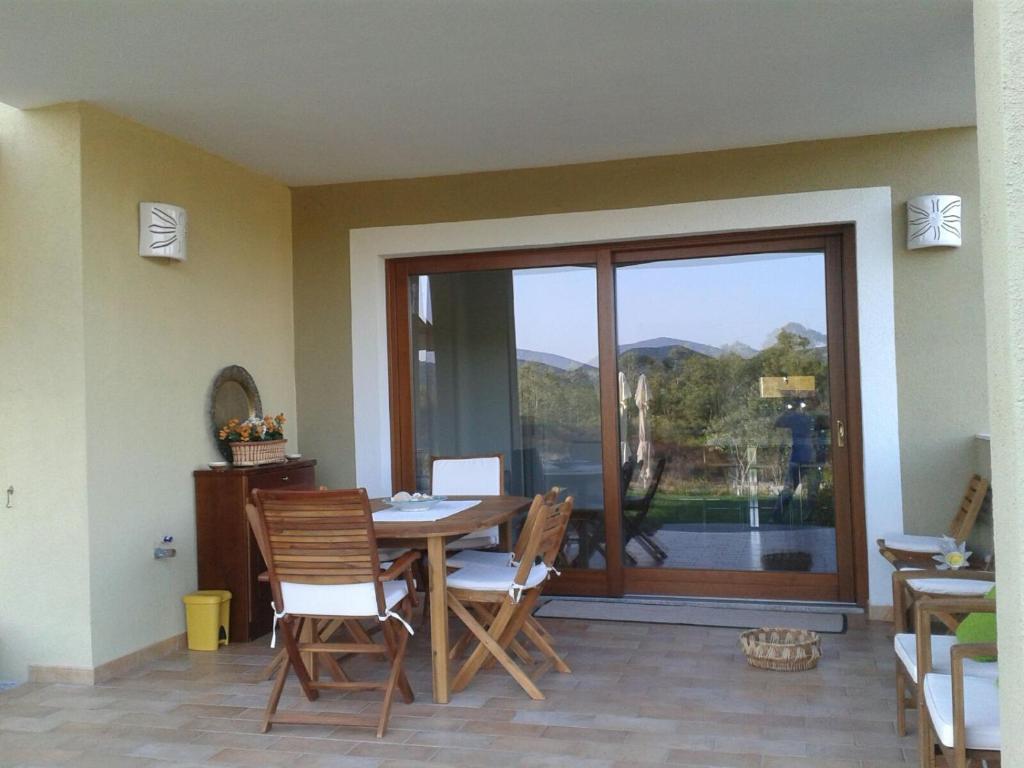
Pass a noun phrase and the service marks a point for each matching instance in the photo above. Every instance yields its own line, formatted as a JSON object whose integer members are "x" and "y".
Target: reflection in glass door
{"x": 725, "y": 413}
{"x": 505, "y": 361}
{"x": 691, "y": 394}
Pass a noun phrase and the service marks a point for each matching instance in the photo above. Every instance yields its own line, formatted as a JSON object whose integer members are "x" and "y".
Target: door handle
{"x": 840, "y": 433}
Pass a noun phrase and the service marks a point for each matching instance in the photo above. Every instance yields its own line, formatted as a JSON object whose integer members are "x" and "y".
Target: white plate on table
{"x": 414, "y": 505}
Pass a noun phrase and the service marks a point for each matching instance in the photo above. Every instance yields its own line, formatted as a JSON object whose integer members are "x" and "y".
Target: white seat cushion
{"x": 473, "y": 557}
{"x": 910, "y": 543}
{"x": 906, "y": 649}
{"x": 466, "y": 477}
{"x": 981, "y": 710}
{"x": 490, "y": 578}
{"x": 956, "y": 587}
{"x": 339, "y": 599}
{"x": 488, "y": 537}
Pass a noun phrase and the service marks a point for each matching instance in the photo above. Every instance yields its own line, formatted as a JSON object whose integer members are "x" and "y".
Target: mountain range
{"x": 660, "y": 347}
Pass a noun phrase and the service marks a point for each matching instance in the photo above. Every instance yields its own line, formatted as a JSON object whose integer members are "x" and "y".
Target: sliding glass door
{"x": 691, "y": 396}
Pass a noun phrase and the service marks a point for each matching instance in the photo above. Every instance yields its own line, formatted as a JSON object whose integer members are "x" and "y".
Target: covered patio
{"x": 306, "y": 305}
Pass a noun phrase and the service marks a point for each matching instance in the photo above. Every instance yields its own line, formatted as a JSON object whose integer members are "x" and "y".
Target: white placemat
{"x": 437, "y": 512}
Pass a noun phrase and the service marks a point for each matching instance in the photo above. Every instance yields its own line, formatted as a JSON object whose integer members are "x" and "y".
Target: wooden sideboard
{"x": 225, "y": 548}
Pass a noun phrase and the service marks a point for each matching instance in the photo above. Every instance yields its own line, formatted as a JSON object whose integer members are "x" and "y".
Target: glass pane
{"x": 505, "y": 361}
{"x": 725, "y": 415}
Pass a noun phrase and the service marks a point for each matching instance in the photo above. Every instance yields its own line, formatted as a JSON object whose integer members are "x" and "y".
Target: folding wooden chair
{"x": 532, "y": 628}
{"x": 959, "y": 708}
{"x": 971, "y": 585}
{"x": 634, "y": 517}
{"x": 514, "y": 590}
{"x": 322, "y": 562}
{"x": 901, "y": 549}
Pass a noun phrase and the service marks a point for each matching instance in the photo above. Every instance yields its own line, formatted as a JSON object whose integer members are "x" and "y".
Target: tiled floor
{"x": 640, "y": 695}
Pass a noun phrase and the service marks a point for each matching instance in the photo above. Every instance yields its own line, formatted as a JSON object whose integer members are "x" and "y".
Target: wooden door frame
{"x": 836, "y": 241}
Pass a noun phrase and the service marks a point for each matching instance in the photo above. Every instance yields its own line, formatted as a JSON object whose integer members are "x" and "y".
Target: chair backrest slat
{"x": 967, "y": 513}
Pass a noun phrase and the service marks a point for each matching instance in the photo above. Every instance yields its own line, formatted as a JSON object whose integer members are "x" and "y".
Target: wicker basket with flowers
{"x": 255, "y": 441}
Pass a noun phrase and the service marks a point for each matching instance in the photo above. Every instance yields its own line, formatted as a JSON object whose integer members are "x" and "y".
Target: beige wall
{"x": 44, "y": 570}
{"x": 156, "y": 334}
{"x": 939, "y": 324}
{"x": 999, "y": 69}
{"x": 108, "y": 360}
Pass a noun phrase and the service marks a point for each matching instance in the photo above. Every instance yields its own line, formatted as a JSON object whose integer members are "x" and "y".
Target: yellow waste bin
{"x": 207, "y": 613}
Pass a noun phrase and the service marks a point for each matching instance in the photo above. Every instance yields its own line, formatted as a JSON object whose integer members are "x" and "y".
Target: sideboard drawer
{"x": 283, "y": 476}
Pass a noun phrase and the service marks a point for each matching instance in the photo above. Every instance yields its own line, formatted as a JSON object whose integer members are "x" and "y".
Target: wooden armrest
{"x": 962, "y": 651}
{"x": 928, "y": 607}
{"x": 401, "y": 565}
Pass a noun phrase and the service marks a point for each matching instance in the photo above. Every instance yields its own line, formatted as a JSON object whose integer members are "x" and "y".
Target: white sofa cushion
{"x": 472, "y": 557}
{"x": 490, "y": 578}
{"x": 955, "y": 587}
{"x": 981, "y": 710}
{"x": 339, "y": 599}
{"x": 906, "y": 649}
{"x": 910, "y": 543}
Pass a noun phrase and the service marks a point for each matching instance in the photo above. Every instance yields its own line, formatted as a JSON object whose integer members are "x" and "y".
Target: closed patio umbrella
{"x": 643, "y": 446}
{"x": 624, "y": 395}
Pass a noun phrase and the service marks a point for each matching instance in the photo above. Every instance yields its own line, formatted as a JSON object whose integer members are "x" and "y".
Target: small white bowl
{"x": 218, "y": 465}
{"x": 293, "y": 456}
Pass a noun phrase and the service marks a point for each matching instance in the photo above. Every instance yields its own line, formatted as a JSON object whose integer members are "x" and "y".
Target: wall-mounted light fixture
{"x": 162, "y": 230}
{"x": 934, "y": 220}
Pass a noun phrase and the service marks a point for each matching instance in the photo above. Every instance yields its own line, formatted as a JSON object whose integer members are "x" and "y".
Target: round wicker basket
{"x": 781, "y": 649}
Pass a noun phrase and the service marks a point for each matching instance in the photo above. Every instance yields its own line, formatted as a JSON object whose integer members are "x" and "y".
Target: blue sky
{"x": 712, "y": 301}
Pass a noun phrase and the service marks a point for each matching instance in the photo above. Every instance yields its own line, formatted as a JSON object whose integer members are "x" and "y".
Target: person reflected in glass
{"x": 800, "y": 423}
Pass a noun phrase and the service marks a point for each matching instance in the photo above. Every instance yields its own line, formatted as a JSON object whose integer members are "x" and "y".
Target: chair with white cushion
{"x": 911, "y": 585}
{"x": 905, "y": 641}
{"x": 959, "y": 708}
{"x": 532, "y": 628}
{"x": 906, "y": 548}
{"x": 510, "y": 592}
{"x": 322, "y": 563}
{"x": 470, "y": 476}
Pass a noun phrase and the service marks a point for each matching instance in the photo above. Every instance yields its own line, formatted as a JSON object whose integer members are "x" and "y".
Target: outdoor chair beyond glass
{"x": 634, "y": 517}
{"x": 322, "y": 562}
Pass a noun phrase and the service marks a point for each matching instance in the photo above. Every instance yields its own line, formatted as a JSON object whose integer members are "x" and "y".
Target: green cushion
{"x": 979, "y": 627}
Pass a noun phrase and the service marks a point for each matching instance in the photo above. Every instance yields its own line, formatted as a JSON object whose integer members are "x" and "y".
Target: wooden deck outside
{"x": 640, "y": 695}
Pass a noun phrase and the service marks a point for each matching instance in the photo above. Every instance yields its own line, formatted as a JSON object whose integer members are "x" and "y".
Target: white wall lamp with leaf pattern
{"x": 162, "y": 230}
{"x": 934, "y": 220}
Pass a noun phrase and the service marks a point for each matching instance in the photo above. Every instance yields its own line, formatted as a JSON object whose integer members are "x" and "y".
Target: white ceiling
{"x": 322, "y": 91}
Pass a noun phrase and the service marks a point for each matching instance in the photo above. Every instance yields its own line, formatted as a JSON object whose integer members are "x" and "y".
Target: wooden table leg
{"x": 438, "y": 616}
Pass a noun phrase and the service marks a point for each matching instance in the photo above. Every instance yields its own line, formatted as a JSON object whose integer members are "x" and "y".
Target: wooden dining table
{"x": 433, "y": 536}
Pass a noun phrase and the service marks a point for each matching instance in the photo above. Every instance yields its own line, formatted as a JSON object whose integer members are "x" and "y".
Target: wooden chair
{"x": 912, "y": 585}
{"x": 905, "y": 641}
{"x": 482, "y": 475}
{"x": 322, "y": 562}
{"x": 532, "y": 628}
{"x": 959, "y": 708}
{"x": 514, "y": 590}
{"x": 634, "y": 516}
{"x": 901, "y": 549}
